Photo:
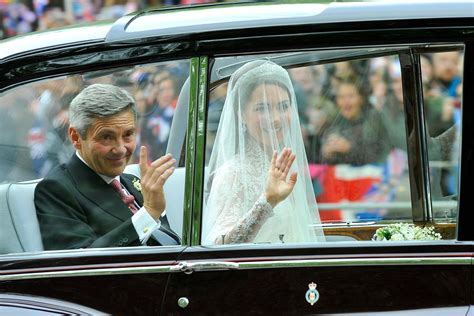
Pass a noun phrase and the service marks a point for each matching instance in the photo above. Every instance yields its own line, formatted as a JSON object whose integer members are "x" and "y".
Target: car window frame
{"x": 69, "y": 69}
{"x": 422, "y": 212}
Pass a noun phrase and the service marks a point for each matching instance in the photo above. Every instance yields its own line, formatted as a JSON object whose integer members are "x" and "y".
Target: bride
{"x": 259, "y": 189}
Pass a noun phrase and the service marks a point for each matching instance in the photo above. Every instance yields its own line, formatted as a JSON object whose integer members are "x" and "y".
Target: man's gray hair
{"x": 98, "y": 101}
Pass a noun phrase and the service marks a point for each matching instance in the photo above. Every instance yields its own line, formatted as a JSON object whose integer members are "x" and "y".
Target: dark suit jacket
{"x": 77, "y": 209}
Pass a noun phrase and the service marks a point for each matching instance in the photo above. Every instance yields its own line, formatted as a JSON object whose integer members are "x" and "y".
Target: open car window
{"x": 34, "y": 139}
{"x": 354, "y": 126}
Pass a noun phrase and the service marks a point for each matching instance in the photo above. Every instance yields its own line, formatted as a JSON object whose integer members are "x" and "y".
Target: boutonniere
{"x": 137, "y": 184}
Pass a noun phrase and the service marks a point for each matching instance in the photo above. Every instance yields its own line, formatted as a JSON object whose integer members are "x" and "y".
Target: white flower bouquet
{"x": 405, "y": 231}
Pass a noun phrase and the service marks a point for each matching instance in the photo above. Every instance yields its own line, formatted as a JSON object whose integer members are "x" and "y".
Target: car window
{"x": 442, "y": 75}
{"x": 353, "y": 126}
{"x": 34, "y": 139}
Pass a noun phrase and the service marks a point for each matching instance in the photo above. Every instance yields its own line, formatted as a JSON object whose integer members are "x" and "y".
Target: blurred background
{"x": 351, "y": 114}
{"x": 23, "y": 16}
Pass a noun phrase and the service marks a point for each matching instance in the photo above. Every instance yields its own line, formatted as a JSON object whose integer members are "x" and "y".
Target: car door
{"x": 34, "y": 102}
{"x": 352, "y": 271}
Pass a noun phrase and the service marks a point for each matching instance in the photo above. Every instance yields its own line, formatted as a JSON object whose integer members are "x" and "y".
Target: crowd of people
{"x": 34, "y": 127}
{"x": 353, "y": 115}
{"x": 20, "y": 17}
{"x": 356, "y": 102}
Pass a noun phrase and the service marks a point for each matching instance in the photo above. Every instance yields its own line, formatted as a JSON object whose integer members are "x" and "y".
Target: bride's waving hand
{"x": 279, "y": 186}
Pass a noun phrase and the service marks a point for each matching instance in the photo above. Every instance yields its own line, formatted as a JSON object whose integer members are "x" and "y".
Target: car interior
{"x": 19, "y": 229}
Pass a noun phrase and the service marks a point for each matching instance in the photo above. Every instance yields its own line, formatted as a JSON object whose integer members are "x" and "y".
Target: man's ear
{"x": 75, "y": 138}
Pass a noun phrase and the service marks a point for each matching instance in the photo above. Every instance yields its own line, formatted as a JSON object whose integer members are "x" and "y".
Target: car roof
{"x": 210, "y": 18}
{"x": 54, "y": 38}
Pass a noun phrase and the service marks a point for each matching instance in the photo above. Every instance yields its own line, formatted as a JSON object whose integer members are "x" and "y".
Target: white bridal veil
{"x": 259, "y": 116}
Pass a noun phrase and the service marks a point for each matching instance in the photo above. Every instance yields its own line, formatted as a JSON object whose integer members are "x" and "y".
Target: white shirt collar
{"x": 107, "y": 179}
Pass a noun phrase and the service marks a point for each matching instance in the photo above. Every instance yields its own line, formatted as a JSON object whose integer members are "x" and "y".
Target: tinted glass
{"x": 35, "y": 139}
{"x": 353, "y": 127}
{"x": 442, "y": 78}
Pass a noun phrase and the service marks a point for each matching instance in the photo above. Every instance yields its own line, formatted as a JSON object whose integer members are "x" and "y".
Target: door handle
{"x": 190, "y": 267}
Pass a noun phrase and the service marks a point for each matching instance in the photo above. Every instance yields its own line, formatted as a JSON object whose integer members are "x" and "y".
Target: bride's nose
{"x": 275, "y": 114}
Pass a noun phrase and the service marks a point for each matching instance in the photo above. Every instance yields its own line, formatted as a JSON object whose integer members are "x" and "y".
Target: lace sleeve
{"x": 248, "y": 226}
{"x": 231, "y": 221}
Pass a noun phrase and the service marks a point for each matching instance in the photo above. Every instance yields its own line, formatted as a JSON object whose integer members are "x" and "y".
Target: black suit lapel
{"x": 96, "y": 190}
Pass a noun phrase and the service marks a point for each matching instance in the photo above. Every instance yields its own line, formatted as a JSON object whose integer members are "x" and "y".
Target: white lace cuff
{"x": 250, "y": 224}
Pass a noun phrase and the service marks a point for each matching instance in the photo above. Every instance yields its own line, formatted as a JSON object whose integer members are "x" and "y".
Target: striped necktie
{"x": 128, "y": 199}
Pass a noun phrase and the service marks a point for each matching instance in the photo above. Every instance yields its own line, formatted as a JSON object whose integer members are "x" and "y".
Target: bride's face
{"x": 267, "y": 113}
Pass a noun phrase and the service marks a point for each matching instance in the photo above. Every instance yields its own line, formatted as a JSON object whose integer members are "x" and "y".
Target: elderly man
{"x": 89, "y": 202}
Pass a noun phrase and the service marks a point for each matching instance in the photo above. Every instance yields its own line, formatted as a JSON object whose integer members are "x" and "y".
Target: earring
{"x": 244, "y": 127}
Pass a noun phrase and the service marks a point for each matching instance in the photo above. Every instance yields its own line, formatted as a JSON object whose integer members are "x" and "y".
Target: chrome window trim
{"x": 357, "y": 262}
{"x": 85, "y": 272}
{"x": 247, "y": 265}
